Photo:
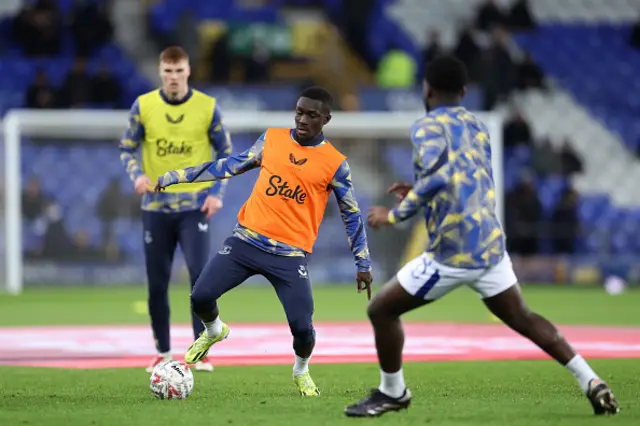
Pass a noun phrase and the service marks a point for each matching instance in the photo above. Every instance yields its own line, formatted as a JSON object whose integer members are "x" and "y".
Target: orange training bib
{"x": 289, "y": 199}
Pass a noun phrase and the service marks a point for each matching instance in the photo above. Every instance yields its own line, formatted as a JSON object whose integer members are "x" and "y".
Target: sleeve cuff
{"x": 217, "y": 189}
{"x": 392, "y": 217}
{"x": 135, "y": 175}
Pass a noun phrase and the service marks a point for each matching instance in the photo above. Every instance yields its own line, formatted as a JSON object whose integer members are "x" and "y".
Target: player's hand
{"x": 364, "y": 280}
{"x": 401, "y": 190}
{"x": 143, "y": 185}
{"x": 378, "y": 217}
{"x": 211, "y": 205}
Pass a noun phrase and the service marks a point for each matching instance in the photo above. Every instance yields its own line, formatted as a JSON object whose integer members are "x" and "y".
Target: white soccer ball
{"x": 171, "y": 380}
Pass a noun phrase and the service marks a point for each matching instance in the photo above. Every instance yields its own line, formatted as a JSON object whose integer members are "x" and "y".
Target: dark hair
{"x": 446, "y": 74}
{"x": 318, "y": 94}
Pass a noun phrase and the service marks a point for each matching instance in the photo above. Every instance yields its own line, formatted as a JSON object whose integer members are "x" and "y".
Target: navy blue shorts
{"x": 238, "y": 260}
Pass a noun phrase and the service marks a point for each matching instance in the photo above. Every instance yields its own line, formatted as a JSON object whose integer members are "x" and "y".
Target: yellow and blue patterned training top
{"x": 454, "y": 183}
{"x": 173, "y": 135}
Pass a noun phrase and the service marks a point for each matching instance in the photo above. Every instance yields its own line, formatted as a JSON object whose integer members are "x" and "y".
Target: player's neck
{"x": 178, "y": 99}
{"x": 316, "y": 140}
{"x": 440, "y": 108}
{"x": 445, "y": 103}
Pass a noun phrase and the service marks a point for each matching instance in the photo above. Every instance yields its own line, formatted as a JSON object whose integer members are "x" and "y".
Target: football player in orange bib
{"x": 278, "y": 226}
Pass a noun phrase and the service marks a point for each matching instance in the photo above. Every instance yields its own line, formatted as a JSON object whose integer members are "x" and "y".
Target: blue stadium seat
{"x": 610, "y": 89}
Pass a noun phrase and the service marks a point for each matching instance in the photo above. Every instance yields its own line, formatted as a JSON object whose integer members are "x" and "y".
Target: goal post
{"x": 365, "y": 137}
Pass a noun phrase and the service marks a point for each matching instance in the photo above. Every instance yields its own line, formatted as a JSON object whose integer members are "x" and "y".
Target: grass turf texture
{"x": 455, "y": 393}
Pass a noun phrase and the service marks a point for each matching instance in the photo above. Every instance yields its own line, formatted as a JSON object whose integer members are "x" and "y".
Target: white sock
{"x": 392, "y": 384}
{"x": 214, "y": 328}
{"x": 300, "y": 366}
{"x": 581, "y": 370}
{"x": 165, "y": 355}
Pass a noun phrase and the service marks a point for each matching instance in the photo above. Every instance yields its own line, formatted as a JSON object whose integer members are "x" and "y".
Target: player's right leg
{"x": 418, "y": 283}
{"x": 501, "y": 294}
{"x": 160, "y": 239}
{"x": 229, "y": 268}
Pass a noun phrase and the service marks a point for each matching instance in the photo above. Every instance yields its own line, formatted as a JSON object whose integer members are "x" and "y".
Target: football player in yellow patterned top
{"x": 174, "y": 127}
{"x": 454, "y": 180}
{"x": 454, "y": 185}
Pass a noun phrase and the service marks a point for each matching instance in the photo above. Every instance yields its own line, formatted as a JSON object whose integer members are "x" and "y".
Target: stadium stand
{"x": 592, "y": 102}
{"x": 19, "y": 69}
{"x": 584, "y": 49}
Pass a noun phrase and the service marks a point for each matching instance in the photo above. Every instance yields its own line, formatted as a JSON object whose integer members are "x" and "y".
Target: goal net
{"x": 71, "y": 217}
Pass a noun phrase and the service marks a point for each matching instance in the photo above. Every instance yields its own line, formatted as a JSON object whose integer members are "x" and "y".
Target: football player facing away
{"x": 278, "y": 225}
{"x": 454, "y": 182}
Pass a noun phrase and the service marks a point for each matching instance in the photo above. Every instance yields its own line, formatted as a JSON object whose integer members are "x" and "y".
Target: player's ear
{"x": 327, "y": 118}
{"x": 463, "y": 91}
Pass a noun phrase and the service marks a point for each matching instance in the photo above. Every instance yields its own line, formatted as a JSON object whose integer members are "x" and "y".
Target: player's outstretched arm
{"x": 129, "y": 145}
{"x": 343, "y": 189}
{"x": 434, "y": 158}
{"x": 216, "y": 170}
{"x": 222, "y": 147}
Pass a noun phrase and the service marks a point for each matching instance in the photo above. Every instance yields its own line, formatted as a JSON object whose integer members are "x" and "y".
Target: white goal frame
{"x": 95, "y": 124}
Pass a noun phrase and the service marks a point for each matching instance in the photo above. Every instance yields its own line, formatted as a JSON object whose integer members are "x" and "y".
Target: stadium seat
{"x": 608, "y": 89}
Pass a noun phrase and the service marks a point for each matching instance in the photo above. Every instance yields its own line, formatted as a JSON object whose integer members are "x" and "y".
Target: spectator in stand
{"x": 565, "y": 225}
{"x": 545, "y": 159}
{"x": 498, "y": 69}
{"x": 634, "y": 38}
{"x": 75, "y": 91}
{"x": 37, "y": 29}
{"x": 489, "y": 15}
{"x": 257, "y": 65}
{"x": 34, "y": 201}
{"x": 90, "y": 26}
{"x": 397, "y": 69}
{"x": 570, "y": 160}
{"x": 529, "y": 74}
{"x": 112, "y": 205}
{"x": 516, "y": 130}
{"x": 433, "y": 49}
{"x": 220, "y": 60}
{"x": 468, "y": 51}
{"x": 523, "y": 219}
{"x": 44, "y": 216}
{"x": 105, "y": 90}
{"x": 520, "y": 17}
{"x": 56, "y": 244}
{"x": 41, "y": 95}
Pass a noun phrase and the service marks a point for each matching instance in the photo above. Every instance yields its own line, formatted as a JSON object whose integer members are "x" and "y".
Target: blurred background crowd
{"x": 562, "y": 73}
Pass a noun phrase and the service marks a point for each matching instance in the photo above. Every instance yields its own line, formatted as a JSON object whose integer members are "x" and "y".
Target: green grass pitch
{"x": 524, "y": 393}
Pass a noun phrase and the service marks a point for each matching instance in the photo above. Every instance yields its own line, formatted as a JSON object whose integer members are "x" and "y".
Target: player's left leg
{"x": 419, "y": 282}
{"x": 501, "y": 294}
{"x": 290, "y": 279}
{"x": 194, "y": 240}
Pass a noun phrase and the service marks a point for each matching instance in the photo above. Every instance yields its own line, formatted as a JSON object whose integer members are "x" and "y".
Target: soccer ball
{"x": 171, "y": 380}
